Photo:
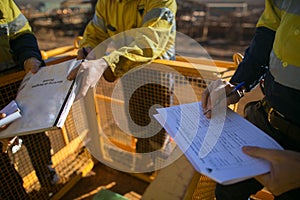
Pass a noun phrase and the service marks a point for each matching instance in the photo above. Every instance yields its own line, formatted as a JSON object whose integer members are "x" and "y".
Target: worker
{"x": 153, "y": 25}
{"x": 19, "y": 51}
{"x": 271, "y": 60}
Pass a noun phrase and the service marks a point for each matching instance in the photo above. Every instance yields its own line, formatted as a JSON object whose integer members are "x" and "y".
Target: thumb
{"x": 72, "y": 75}
{"x": 35, "y": 69}
{"x": 258, "y": 152}
{"x": 2, "y": 115}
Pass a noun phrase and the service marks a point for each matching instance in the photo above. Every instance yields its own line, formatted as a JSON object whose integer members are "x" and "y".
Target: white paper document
{"x": 214, "y": 146}
{"x": 44, "y": 99}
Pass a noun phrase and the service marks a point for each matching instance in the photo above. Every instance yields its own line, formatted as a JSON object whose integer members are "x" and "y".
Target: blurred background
{"x": 222, "y": 27}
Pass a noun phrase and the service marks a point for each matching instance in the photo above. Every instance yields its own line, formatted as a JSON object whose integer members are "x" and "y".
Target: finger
{"x": 82, "y": 92}
{"x": 35, "y": 68}
{"x": 83, "y": 52}
{"x": 258, "y": 152}
{"x": 230, "y": 96}
{"x": 206, "y": 103}
{"x": 82, "y": 86}
{"x": 2, "y": 115}
{"x": 27, "y": 69}
{"x": 86, "y": 84}
{"x": 72, "y": 75}
{"x": 217, "y": 92}
{"x": 204, "y": 99}
{"x": 3, "y": 127}
{"x": 209, "y": 108}
{"x": 32, "y": 64}
{"x": 80, "y": 54}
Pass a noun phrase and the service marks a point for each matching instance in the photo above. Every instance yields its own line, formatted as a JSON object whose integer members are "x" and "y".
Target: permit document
{"x": 214, "y": 146}
{"x": 44, "y": 100}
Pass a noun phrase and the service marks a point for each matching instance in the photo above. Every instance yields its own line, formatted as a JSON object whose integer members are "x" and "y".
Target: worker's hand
{"x": 83, "y": 52}
{"x": 9, "y": 143}
{"x": 88, "y": 74}
{"x": 32, "y": 64}
{"x": 3, "y": 141}
{"x": 215, "y": 93}
{"x": 2, "y": 115}
{"x": 285, "y": 165}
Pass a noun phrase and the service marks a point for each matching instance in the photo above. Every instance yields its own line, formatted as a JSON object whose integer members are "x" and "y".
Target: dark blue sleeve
{"x": 256, "y": 59}
{"x": 25, "y": 46}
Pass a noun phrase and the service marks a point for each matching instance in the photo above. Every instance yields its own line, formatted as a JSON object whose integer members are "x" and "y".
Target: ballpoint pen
{"x": 85, "y": 53}
{"x": 237, "y": 87}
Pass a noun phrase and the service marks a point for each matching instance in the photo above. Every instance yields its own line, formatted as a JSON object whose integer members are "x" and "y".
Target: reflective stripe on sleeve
{"x": 163, "y": 13}
{"x": 3, "y": 29}
{"x": 17, "y": 24}
{"x": 284, "y": 73}
{"x": 99, "y": 22}
{"x": 291, "y": 7}
{"x": 169, "y": 54}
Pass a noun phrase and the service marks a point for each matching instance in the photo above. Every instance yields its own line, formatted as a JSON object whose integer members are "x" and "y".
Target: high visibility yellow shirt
{"x": 150, "y": 31}
{"x": 12, "y": 24}
{"x": 283, "y": 16}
